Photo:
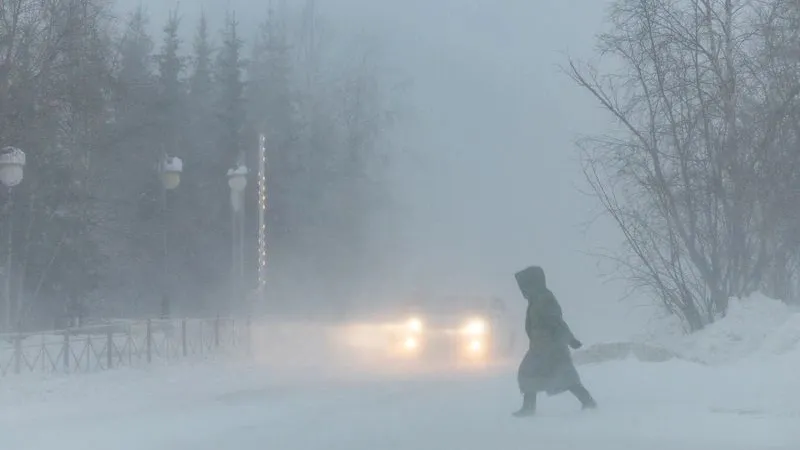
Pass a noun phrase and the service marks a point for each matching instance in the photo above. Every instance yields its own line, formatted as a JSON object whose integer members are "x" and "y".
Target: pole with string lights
{"x": 262, "y": 208}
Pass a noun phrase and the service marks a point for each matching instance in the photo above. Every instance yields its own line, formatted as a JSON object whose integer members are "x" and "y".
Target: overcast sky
{"x": 497, "y": 184}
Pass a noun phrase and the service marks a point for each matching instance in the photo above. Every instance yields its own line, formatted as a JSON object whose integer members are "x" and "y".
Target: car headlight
{"x": 476, "y": 346}
{"x": 475, "y": 327}
{"x": 410, "y": 343}
{"x": 415, "y": 325}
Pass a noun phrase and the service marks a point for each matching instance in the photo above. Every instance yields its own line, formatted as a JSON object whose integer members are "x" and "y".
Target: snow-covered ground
{"x": 751, "y": 402}
{"x": 672, "y": 405}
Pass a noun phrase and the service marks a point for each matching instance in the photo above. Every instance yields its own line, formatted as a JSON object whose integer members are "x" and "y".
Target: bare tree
{"x": 682, "y": 176}
{"x": 778, "y": 164}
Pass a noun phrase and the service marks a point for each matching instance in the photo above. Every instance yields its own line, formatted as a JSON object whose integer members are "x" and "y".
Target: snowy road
{"x": 663, "y": 406}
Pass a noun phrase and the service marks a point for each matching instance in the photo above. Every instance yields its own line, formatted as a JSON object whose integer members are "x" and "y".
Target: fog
{"x": 485, "y": 174}
{"x": 483, "y": 179}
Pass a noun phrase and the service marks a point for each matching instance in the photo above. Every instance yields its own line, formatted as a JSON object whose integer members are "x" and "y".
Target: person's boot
{"x": 528, "y": 406}
{"x": 583, "y": 395}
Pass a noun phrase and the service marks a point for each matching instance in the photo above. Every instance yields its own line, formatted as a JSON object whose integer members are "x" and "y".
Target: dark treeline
{"x": 95, "y": 101}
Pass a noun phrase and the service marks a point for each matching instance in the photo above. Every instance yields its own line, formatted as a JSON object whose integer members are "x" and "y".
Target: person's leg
{"x": 528, "y": 406}
{"x": 583, "y": 395}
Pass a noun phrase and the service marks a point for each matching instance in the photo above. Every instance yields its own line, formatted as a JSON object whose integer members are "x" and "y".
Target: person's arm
{"x": 560, "y": 328}
{"x": 528, "y": 324}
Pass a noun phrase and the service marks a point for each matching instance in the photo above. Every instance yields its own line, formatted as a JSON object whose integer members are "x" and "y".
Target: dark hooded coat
{"x": 547, "y": 366}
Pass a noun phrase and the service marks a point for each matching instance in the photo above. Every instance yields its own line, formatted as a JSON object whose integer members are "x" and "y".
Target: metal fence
{"x": 121, "y": 344}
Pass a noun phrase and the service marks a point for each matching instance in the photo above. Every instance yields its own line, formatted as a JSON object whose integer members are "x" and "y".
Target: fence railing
{"x": 121, "y": 344}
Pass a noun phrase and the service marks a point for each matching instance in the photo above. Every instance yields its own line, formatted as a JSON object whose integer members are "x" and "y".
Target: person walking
{"x": 547, "y": 365}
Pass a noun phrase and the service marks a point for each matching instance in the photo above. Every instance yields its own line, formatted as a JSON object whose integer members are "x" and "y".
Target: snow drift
{"x": 754, "y": 327}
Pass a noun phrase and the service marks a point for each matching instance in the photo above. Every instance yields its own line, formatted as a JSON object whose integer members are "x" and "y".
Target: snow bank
{"x": 615, "y": 351}
{"x": 756, "y": 326}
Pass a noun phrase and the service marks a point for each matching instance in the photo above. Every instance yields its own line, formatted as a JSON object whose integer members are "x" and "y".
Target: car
{"x": 460, "y": 327}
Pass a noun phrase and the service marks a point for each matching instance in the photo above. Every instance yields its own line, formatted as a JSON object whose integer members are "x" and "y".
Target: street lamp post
{"x": 237, "y": 181}
{"x": 12, "y": 166}
{"x": 12, "y": 170}
{"x": 170, "y": 170}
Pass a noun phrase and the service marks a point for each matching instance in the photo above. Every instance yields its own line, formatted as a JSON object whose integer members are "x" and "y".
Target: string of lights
{"x": 262, "y": 207}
